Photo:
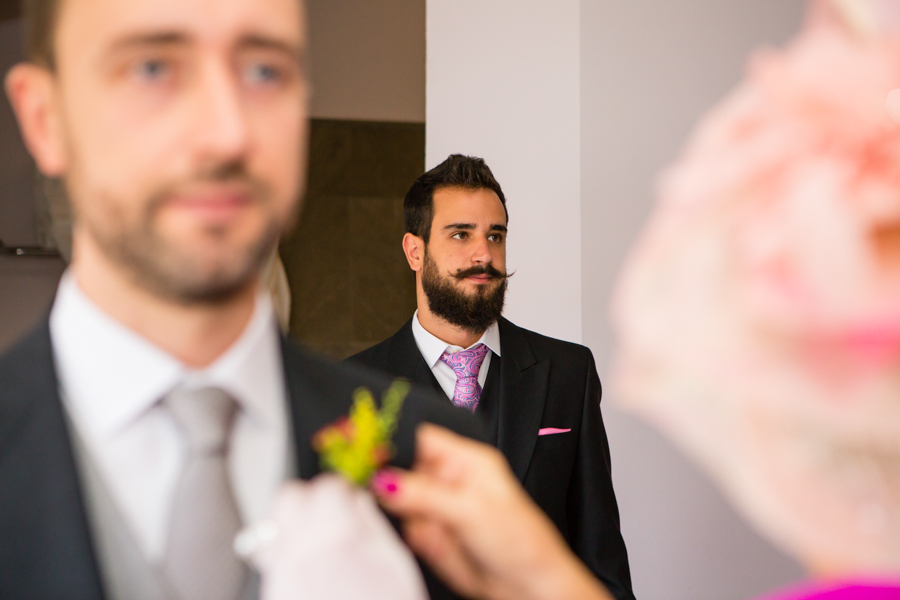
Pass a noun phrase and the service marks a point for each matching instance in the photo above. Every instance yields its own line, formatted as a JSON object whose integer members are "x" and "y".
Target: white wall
{"x": 576, "y": 106}
{"x": 368, "y": 59}
{"x": 504, "y": 84}
{"x": 650, "y": 68}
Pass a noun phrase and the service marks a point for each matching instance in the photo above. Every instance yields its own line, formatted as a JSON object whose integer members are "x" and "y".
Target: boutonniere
{"x": 358, "y": 445}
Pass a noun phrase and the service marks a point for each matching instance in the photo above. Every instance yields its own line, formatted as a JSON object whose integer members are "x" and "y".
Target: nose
{"x": 481, "y": 251}
{"x": 222, "y": 132}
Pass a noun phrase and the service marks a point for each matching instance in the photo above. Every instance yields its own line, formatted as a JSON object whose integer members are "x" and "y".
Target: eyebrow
{"x": 267, "y": 43}
{"x": 174, "y": 38}
{"x": 470, "y": 226}
{"x": 149, "y": 39}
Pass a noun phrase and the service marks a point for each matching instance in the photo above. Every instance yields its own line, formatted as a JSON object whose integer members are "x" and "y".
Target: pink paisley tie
{"x": 466, "y": 364}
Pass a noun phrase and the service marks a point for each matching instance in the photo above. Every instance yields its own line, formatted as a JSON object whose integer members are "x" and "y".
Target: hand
{"x": 330, "y": 542}
{"x": 893, "y": 105}
{"x": 467, "y": 516}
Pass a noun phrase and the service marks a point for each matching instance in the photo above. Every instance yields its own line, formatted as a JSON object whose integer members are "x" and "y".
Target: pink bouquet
{"x": 758, "y": 316}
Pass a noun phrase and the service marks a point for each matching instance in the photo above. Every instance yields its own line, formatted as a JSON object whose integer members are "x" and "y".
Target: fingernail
{"x": 386, "y": 483}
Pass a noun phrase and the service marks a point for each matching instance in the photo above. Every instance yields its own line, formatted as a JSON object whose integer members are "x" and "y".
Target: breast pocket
{"x": 550, "y": 474}
{"x": 554, "y": 441}
{"x": 554, "y": 454}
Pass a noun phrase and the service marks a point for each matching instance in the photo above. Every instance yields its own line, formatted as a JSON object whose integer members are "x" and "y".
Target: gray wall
{"x": 649, "y": 69}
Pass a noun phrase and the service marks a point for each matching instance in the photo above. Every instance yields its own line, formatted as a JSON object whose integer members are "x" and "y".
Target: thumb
{"x": 408, "y": 494}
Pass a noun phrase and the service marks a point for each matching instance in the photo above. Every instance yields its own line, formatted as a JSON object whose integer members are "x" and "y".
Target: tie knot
{"x": 205, "y": 415}
{"x": 466, "y": 363}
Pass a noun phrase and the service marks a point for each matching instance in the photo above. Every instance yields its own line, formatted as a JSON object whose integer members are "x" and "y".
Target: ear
{"x": 32, "y": 92}
{"x": 414, "y": 249}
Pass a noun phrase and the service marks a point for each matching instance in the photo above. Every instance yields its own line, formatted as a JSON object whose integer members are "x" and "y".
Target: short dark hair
{"x": 458, "y": 171}
{"x": 40, "y": 25}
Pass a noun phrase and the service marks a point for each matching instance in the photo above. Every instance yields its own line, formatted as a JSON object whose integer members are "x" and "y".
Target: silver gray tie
{"x": 200, "y": 563}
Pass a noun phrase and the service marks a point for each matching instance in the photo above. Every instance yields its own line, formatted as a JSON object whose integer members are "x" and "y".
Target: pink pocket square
{"x": 552, "y": 431}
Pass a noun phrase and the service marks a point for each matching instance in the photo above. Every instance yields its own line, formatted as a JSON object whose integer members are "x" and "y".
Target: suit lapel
{"x": 523, "y": 390}
{"x": 46, "y": 542}
{"x": 306, "y": 412}
{"x": 406, "y": 360}
{"x": 320, "y": 392}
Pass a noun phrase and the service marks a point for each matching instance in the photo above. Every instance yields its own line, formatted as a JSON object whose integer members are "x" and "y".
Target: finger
{"x": 414, "y": 494}
{"x": 434, "y": 443}
{"x": 453, "y": 458}
{"x": 444, "y": 554}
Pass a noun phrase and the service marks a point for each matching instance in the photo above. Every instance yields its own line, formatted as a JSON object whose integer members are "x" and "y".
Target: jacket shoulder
{"x": 327, "y": 372}
{"x": 375, "y": 357}
{"x": 379, "y": 356}
{"x": 26, "y": 375}
{"x": 19, "y": 359}
{"x": 545, "y": 346}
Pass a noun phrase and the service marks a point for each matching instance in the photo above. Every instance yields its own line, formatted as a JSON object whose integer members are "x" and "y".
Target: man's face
{"x": 184, "y": 127}
{"x": 464, "y": 271}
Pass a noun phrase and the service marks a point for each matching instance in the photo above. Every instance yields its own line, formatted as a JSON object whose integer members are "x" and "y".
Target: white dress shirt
{"x": 111, "y": 381}
{"x": 432, "y": 348}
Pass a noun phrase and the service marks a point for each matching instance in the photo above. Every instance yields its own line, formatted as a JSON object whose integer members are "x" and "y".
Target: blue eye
{"x": 263, "y": 73}
{"x": 151, "y": 69}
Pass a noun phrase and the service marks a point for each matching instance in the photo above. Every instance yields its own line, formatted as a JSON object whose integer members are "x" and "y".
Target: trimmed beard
{"x": 472, "y": 312}
{"x": 176, "y": 274}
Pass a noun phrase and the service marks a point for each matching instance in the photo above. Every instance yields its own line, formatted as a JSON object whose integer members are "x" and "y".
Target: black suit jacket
{"x": 543, "y": 383}
{"x": 46, "y": 550}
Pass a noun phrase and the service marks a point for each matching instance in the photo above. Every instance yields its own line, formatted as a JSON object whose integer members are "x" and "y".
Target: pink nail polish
{"x": 385, "y": 482}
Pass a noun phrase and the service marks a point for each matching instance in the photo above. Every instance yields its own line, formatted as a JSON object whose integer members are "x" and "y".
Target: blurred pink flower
{"x": 758, "y": 316}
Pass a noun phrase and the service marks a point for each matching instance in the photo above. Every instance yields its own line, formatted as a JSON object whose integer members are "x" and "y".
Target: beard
{"x": 473, "y": 312}
{"x": 180, "y": 272}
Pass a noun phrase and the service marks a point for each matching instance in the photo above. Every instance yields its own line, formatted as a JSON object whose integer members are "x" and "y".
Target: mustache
{"x": 234, "y": 172}
{"x": 226, "y": 171}
{"x": 487, "y": 269}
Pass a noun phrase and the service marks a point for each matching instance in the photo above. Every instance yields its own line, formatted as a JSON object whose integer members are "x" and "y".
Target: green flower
{"x": 358, "y": 445}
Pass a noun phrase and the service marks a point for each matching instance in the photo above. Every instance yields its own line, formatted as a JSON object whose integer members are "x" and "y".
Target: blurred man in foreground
{"x": 157, "y": 410}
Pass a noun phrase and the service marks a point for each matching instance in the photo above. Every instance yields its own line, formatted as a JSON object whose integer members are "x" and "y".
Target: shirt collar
{"x": 251, "y": 370}
{"x": 110, "y": 375}
{"x": 432, "y": 347}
